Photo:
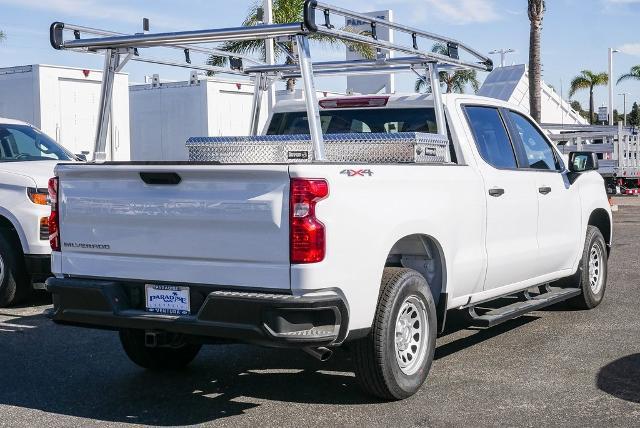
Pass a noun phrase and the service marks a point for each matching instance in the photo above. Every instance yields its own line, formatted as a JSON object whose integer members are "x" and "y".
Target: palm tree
{"x": 536, "y": 10}
{"x": 284, "y": 11}
{"x": 456, "y": 81}
{"x": 633, "y": 74}
{"x": 588, "y": 80}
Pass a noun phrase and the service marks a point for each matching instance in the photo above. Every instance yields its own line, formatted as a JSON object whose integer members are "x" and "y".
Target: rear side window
{"x": 539, "y": 152}
{"x": 491, "y": 136}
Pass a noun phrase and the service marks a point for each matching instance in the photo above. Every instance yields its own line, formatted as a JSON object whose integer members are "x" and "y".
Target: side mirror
{"x": 583, "y": 161}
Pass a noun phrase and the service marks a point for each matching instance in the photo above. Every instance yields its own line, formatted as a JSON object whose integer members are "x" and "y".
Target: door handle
{"x": 544, "y": 190}
{"x": 496, "y": 192}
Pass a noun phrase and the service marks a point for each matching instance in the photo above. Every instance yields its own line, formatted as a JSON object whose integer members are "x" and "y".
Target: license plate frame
{"x": 167, "y": 299}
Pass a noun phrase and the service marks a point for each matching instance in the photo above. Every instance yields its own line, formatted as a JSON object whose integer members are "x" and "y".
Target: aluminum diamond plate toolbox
{"x": 401, "y": 147}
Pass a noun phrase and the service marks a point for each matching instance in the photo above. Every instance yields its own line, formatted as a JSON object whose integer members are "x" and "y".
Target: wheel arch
{"x": 601, "y": 219}
{"x": 424, "y": 254}
{"x": 12, "y": 226}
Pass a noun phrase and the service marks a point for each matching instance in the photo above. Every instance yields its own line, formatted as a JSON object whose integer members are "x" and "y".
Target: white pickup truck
{"x": 27, "y": 160}
{"x": 314, "y": 255}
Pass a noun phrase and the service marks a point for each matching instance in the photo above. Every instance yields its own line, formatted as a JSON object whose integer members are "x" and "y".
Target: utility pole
{"x": 624, "y": 107}
{"x": 611, "y": 52}
{"x": 503, "y": 53}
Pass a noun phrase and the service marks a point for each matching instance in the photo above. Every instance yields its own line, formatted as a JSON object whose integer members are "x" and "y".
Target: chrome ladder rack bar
{"x": 195, "y": 48}
{"x": 257, "y": 32}
{"x": 484, "y": 63}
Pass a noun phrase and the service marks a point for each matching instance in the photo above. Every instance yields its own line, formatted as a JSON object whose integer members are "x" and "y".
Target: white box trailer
{"x": 63, "y": 102}
{"x": 164, "y": 115}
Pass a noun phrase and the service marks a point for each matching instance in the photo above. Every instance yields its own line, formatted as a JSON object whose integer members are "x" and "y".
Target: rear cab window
{"x": 341, "y": 121}
{"x": 364, "y": 120}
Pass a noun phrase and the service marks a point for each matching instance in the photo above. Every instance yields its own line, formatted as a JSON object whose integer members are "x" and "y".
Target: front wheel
{"x": 591, "y": 277}
{"x": 393, "y": 361}
{"x": 14, "y": 283}
{"x": 160, "y": 358}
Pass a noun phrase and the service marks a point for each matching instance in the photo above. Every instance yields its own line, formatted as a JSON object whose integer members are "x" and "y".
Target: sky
{"x": 576, "y": 33}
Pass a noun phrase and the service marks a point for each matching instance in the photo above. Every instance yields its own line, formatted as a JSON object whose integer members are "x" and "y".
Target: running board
{"x": 514, "y": 310}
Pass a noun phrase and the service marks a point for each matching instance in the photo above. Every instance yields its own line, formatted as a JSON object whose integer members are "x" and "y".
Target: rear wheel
{"x": 591, "y": 277}
{"x": 393, "y": 361}
{"x": 14, "y": 283}
{"x": 159, "y": 358}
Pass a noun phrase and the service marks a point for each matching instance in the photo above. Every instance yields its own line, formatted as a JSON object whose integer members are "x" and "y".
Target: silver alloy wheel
{"x": 2, "y": 269}
{"x": 411, "y": 335}
{"x": 596, "y": 276}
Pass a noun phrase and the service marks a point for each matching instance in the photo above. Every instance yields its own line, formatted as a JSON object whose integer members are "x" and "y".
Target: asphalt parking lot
{"x": 553, "y": 367}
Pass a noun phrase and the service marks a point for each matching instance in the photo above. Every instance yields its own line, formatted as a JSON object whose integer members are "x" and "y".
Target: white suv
{"x": 27, "y": 159}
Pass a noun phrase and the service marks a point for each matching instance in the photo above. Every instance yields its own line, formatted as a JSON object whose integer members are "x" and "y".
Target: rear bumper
{"x": 38, "y": 266}
{"x": 278, "y": 320}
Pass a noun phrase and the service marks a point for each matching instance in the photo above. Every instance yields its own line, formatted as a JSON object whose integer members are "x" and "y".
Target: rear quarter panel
{"x": 366, "y": 215}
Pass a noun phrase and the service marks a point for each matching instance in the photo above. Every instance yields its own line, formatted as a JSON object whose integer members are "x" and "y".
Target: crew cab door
{"x": 511, "y": 200}
{"x": 559, "y": 214}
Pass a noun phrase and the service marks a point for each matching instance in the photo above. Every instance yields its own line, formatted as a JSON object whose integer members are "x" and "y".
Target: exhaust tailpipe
{"x": 321, "y": 353}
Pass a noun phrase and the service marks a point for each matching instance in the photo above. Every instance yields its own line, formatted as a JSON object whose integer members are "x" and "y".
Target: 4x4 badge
{"x": 357, "y": 172}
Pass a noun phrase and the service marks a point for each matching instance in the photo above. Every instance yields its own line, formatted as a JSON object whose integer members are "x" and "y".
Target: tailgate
{"x": 199, "y": 224}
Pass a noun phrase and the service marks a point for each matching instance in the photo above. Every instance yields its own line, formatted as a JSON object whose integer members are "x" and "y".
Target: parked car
{"x": 313, "y": 255}
{"x": 27, "y": 160}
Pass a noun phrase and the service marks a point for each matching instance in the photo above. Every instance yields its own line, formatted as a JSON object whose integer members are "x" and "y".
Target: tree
{"x": 633, "y": 74}
{"x": 456, "y": 81}
{"x": 2, "y": 35}
{"x": 284, "y": 11}
{"x": 536, "y": 9}
{"x": 575, "y": 105}
{"x": 588, "y": 80}
{"x": 633, "y": 118}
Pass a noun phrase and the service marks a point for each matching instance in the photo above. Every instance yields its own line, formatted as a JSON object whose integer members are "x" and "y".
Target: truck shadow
{"x": 621, "y": 378}
{"x": 84, "y": 373}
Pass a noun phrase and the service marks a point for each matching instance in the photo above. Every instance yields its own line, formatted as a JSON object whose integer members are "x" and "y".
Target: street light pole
{"x": 503, "y": 54}
{"x": 611, "y": 52}
{"x": 624, "y": 107}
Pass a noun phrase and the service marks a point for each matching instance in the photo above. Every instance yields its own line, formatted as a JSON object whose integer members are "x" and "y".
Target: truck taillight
{"x": 54, "y": 226}
{"x": 307, "y": 233}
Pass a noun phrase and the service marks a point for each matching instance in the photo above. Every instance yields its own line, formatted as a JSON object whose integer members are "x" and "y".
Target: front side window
{"x": 538, "y": 150}
{"x": 20, "y": 143}
{"x": 491, "y": 136}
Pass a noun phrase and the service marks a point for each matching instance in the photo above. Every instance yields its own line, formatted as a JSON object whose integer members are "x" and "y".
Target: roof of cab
{"x": 396, "y": 101}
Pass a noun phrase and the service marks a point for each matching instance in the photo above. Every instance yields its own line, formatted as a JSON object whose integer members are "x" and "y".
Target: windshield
{"x": 340, "y": 121}
{"x": 23, "y": 143}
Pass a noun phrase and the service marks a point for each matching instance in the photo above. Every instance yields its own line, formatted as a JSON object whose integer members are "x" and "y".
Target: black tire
{"x": 590, "y": 297}
{"x": 377, "y": 369}
{"x": 160, "y": 358}
{"x": 14, "y": 283}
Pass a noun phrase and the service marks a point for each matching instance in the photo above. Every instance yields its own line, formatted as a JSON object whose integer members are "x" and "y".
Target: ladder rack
{"x": 120, "y": 48}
